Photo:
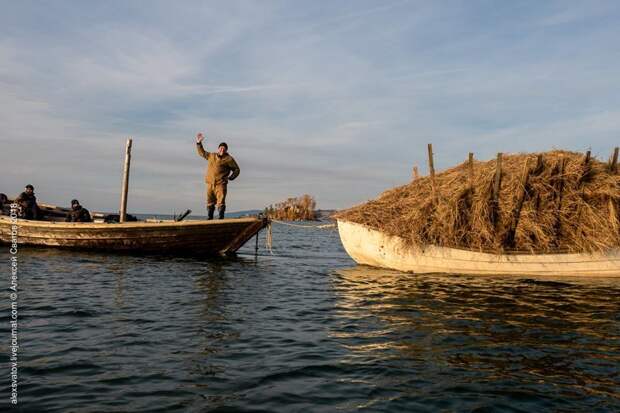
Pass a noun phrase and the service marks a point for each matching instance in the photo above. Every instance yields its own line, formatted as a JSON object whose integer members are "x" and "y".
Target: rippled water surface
{"x": 304, "y": 330}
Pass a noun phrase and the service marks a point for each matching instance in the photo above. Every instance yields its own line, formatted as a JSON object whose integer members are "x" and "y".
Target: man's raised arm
{"x": 201, "y": 151}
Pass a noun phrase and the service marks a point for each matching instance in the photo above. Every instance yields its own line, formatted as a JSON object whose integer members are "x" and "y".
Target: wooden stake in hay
{"x": 564, "y": 203}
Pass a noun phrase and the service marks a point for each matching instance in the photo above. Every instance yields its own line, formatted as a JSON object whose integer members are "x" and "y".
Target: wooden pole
{"x": 183, "y": 215}
{"x": 583, "y": 179}
{"x": 431, "y": 164}
{"x": 123, "y": 211}
{"x": 431, "y": 167}
{"x": 498, "y": 178}
{"x": 587, "y": 169}
{"x": 560, "y": 190}
{"x": 510, "y": 236}
{"x": 540, "y": 165}
{"x": 416, "y": 174}
{"x": 538, "y": 169}
{"x": 613, "y": 168}
{"x": 470, "y": 168}
{"x": 496, "y": 187}
{"x": 256, "y": 246}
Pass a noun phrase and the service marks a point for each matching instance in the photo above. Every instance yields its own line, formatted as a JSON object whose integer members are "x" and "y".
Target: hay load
{"x": 547, "y": 203}
{"x": 302, "y": 208}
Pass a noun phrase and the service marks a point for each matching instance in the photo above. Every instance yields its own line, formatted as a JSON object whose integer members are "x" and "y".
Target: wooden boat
{"x": 177, "y": 237}
{"x": 371, "y": 247}
{"x": 190, "y": 237}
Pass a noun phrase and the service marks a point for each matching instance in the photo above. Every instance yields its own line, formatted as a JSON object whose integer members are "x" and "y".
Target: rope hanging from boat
{"x": 324, "y": 226}
{"x": 269, "y": 236}
{"x": 269, "y": 239}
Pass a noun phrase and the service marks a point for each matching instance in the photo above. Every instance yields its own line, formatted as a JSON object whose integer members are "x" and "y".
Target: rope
{"x": 269, "y": 239}
{"x": 269, "y": 236}
{"x": 304, "y": 226}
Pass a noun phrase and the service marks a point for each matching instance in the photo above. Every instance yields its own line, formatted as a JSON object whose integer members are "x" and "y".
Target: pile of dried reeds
{"x": 556, "y": 201}
{"x": 301, "y": 208}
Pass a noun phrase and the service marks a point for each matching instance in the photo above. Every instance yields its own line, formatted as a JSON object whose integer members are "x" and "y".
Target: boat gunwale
{"x": 125, "y": 225}
{"x": 507, "y": 253}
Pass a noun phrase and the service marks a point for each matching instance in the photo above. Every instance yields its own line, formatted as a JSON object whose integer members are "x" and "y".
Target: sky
{"x": 337, "y": 99}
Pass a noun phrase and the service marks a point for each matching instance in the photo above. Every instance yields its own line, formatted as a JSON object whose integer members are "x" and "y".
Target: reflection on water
{"x": 528, "y": 340}
{"x": 306, "y": 330}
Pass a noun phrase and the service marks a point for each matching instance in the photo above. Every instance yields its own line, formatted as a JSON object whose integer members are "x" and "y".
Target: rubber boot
{"x": 210, "y": 211}
{"x": 221, "y": 210}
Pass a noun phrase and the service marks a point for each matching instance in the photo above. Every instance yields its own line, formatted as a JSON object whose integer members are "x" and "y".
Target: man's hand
{"x": 200, "y": 137}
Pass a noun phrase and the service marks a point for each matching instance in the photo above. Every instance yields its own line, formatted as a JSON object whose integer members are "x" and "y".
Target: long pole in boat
{"x": 123, "y": 211}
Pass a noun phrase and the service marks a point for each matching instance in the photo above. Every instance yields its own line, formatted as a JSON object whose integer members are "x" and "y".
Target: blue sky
{"x": 337, "y": 99}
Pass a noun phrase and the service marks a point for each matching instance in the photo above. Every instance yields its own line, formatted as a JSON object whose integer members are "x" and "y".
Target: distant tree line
{"x": 301, "y": 208}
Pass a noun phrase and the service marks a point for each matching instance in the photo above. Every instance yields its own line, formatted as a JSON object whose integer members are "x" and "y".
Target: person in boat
{"x": 221, "y": 168}
{"x": 4, "y": 202}
{"x": 27, "y": 201}
{"x": 78, "y": 213}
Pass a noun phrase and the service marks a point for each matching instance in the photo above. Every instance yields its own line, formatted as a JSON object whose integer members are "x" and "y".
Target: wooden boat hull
{"x": 371, "y": 247}
{"x": 185, "y": 237}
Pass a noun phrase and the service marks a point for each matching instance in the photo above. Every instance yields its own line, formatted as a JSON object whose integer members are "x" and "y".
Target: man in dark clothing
{"x": 28, "y": 204}
{"x": 78, "y": 213}
{"x": 4, "y": 200}
{"x": 221, "y": 169}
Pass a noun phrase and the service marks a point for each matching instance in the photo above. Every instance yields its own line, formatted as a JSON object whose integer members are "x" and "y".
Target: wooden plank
{"x": 23, "y": 223}
{"x": 137, "y": 233}
{"x": 209, "y": 245}
{"x": 114, "y": 230}
{"x": 203, "y": 248}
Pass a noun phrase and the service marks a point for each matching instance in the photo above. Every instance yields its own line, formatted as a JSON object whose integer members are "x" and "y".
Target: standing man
{"x": 221, "y": 169}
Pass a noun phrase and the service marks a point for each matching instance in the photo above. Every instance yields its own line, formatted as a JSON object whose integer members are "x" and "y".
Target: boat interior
{"x": 53, "y": 213}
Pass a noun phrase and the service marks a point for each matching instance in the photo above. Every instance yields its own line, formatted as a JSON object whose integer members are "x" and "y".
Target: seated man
{"x": 78, "y": 213}
{"x": 4, "y": 203}
{"x": 28, "y": 204}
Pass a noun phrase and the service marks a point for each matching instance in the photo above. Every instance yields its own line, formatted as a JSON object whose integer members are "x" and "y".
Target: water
{"x": 304, "y": 330}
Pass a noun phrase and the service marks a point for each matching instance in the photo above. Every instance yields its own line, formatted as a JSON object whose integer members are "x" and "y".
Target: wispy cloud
{"x": 576, "y": 11}
{"x": 334, "y": 99}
